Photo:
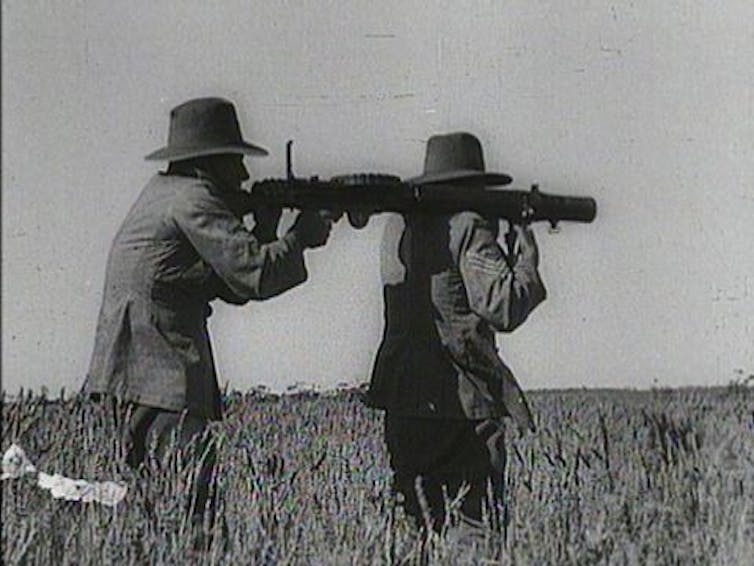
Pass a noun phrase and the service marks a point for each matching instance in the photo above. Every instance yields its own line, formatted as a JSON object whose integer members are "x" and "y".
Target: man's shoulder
{"x": 184, "y": 185}
{"x": 188, "y": 192}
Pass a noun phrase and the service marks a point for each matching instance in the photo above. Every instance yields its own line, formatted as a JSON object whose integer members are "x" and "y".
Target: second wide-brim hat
{"x": 457, "y": 158}
{"x": 204, "y": 126}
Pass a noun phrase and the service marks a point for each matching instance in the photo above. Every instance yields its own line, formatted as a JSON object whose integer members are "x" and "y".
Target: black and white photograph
{"x": 401, "y": 282}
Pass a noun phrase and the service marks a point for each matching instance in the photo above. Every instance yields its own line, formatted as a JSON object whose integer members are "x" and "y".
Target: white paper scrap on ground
{"x": 16, "y": 464}
{"x": 107, "y": 492}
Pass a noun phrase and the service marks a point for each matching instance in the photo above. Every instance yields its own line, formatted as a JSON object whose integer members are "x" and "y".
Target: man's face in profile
{"x": 228, "y": 169}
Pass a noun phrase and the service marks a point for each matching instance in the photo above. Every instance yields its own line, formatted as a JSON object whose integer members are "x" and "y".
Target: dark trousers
{"x": 432, "y": 456}
{"x": 160, "y": 438}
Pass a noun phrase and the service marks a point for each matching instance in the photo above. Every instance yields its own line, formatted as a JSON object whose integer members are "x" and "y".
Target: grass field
{"x": 611, "y": 477}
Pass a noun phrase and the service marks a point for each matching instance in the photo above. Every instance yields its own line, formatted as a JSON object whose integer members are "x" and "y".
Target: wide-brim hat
{"x": 204, "y": 126}
{"x": 457, "y": 158}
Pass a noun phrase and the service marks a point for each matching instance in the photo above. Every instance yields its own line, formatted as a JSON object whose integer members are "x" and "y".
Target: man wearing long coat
{"x": 448, "y": 287}
{"x": 182, "y": 245}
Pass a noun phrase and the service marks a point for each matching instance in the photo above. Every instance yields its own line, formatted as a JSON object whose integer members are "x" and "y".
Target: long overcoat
{"x": 179, "y": 247}
{"x": 448, "y": 287}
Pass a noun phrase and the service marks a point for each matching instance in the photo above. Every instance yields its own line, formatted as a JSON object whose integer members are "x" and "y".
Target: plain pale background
{"x": 647, "y": 106}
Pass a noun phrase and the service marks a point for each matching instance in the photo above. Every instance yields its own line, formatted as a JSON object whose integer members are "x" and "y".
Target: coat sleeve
{"x": 250, "y": 270}
{"x": 501, "y": 290}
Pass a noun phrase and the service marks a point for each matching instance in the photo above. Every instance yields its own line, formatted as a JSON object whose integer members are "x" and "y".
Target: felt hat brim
{"x": 170, "y": 153}
{"x": 460, "y": 176}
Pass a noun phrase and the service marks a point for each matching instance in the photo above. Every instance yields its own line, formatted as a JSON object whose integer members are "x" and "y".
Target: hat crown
{"x": 204, "y": 126}
{"x": 457, "y": 159}
{"x": 459, "y": 151}
{"x": 204, "y": 122}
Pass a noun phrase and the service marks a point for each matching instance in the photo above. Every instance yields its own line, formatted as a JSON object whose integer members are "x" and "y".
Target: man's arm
{"x": 249, "y": 269}
{"x": 502, "y": 290}
{"x": 266, "y": 220}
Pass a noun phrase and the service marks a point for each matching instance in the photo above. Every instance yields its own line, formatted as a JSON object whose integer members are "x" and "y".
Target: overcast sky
{"x": 647, "y": 106}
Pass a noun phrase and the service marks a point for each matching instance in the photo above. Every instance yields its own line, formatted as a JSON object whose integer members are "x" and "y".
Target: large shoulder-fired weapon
{"x": 363, "y": 194}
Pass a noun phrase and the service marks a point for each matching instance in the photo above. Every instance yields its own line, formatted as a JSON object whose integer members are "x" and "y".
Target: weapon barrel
{"x": 372, "y": 194}
{"x": 511, "y": 205}
{"x": 555, "y": 208}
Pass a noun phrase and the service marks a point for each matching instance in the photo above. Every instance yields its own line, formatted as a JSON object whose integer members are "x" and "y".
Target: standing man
{"x": 448, "y": 286}
{"x": 182, "y": 245}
